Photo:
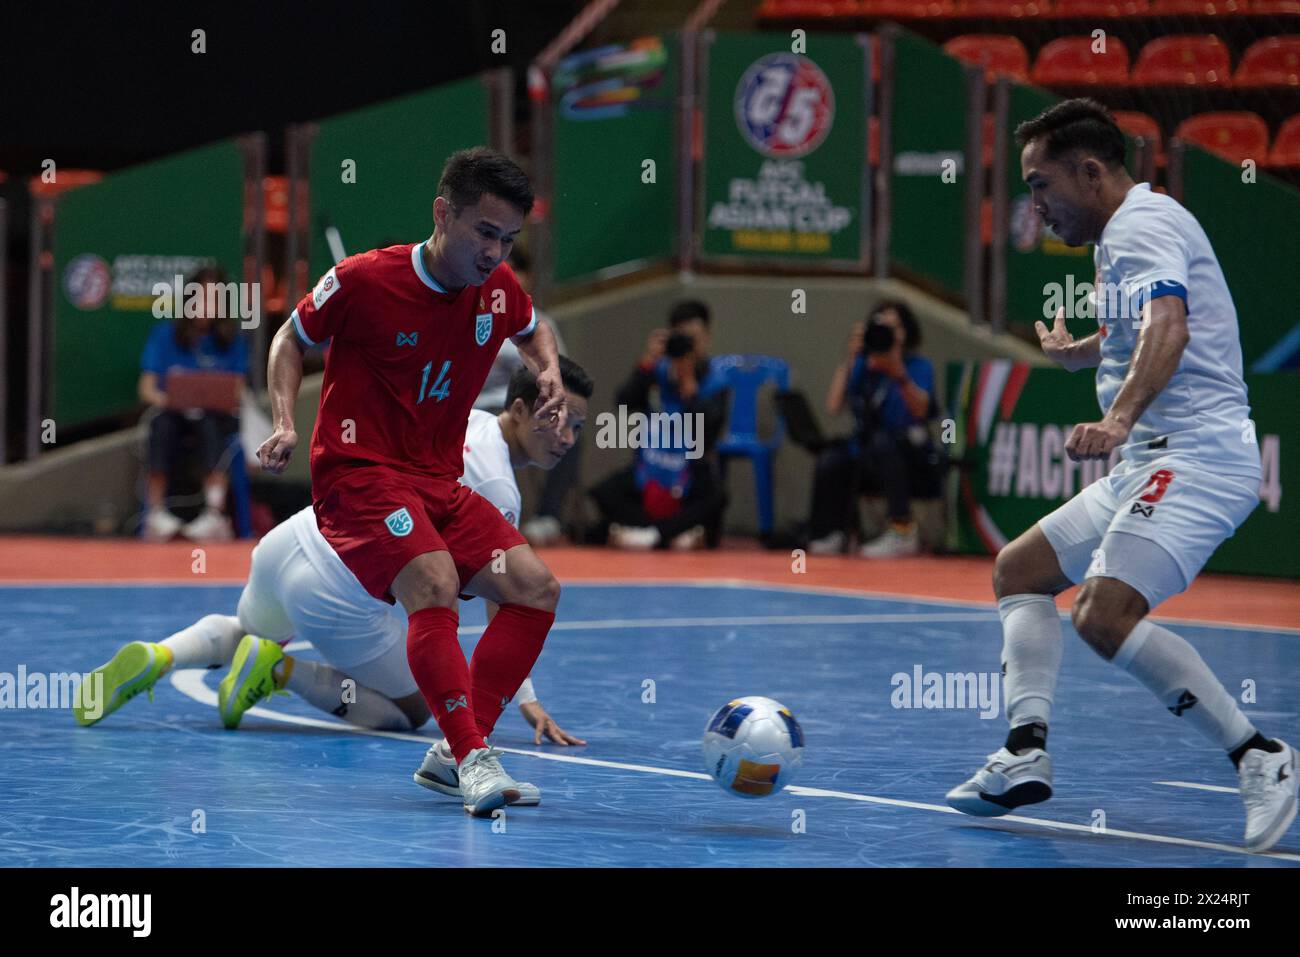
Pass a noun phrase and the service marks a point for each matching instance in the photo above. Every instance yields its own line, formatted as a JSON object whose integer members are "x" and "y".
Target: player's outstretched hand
{"x": 1095, "y": 440}
{"x": 544, "y": 724}
{"x": 1057, "y": 342}
{"x": 549, "y": 409}
{"x": 274, "y": 453}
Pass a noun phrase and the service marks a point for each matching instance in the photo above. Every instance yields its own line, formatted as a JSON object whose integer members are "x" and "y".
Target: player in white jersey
{"x": 1173, "y": 401}
{"x": 299, "y": 588}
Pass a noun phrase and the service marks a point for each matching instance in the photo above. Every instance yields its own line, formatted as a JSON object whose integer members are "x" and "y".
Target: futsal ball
{"x": 752, "y": 747}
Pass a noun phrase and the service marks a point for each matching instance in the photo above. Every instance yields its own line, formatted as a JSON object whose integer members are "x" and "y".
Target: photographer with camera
{"x": 667, "y": 498}
{"x": 889, "y": 388}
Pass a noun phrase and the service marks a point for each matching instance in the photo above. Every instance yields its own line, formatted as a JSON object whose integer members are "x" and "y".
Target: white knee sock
{"x": 1032, "y": 647}
{"x": 322, "y": 686}
{"x": 1180, "y": 678}
{"x": 208, "y": 643}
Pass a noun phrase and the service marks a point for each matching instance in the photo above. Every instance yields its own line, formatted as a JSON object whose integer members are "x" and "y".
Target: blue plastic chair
{"x": 745, "y": 375}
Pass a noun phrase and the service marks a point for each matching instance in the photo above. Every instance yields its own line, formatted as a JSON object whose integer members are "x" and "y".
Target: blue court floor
{"x": 296, "y": 787}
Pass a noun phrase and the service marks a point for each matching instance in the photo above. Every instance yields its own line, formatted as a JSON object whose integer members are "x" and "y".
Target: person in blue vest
{"x": 672, "y": 495}
{"x": 198, "y": 342}
{"x": 889, "y": 387}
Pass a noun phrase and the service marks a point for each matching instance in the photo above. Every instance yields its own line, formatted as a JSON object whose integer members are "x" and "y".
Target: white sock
{"x": 1032, "y": 647}
{"x": 208, "y": 643}
{"x": 214, "y": 496}
{"x": 322, "y": 687}
{"x": 1180, "y": 678}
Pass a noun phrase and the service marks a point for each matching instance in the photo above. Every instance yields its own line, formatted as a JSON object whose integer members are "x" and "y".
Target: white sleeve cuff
{"x": 297, "y": 324}
{"x": 528, "y": 329}
{"x": 526, "y": 694}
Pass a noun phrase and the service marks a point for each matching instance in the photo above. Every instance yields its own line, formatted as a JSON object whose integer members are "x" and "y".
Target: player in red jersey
{"x": 415, "y": 329}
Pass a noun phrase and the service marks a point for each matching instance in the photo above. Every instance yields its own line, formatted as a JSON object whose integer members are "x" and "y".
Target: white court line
{"x": 190, "y": 683}
{"x": 1198, "y": 787}
{"x": 696, "y": 583}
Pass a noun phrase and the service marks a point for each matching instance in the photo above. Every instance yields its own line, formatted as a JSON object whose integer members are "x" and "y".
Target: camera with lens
{"x": 878, "y": 337}
{"x": 678, "y": 345}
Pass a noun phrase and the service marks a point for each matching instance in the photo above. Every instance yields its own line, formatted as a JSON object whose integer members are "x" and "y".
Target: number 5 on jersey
{"x": 441, "y": 385}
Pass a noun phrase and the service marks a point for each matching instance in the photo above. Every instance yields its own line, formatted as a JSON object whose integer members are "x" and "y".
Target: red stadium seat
{"x": 1286, "y": 148}
{"x": 815, "y": 9}
{"x": 1100, "y": 8}
{"x": 1070, "y": 61}
{"x": 1234, "y": 135}
{"x": 904, "y": 9}
{"x": 996, "y": 52}
{"x": 1001, "y": 9}
{"x": 1273, "y": 7}
{"x": 275, "y": 203}
{"x": 1140, "y": 124}
{"x": 1196, "y": 8}
{"x": 1184, "y": 61}
{"x": 1271, "y": 62}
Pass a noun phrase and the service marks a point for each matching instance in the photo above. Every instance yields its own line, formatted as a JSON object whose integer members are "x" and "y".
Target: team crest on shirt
{"x": 483, "y": 328}
{"x": 400, "y": 523}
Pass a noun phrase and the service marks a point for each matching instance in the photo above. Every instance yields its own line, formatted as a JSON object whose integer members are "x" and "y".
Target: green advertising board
{"x": 114, "y": 240}
{"x": 1011, "y": 426}
{"x": 374, "y": 172}
{"x": 785, "y": 148}
{"x": 1251, "y": 219}
{"x": 930, "y": 174}
{"x": 615, "y": 159}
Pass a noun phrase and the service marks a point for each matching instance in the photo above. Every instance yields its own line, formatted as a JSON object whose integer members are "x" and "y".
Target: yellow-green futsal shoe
{"x": 135, "y": 668}
{"x": 250, "y": 680}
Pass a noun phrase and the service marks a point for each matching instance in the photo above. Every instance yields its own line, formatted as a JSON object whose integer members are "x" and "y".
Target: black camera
{"x": 678, "y": 345}
{"x": 878, "y": 338}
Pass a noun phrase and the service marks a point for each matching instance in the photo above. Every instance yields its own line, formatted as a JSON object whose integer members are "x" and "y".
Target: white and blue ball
{"x": 753, "y": 747}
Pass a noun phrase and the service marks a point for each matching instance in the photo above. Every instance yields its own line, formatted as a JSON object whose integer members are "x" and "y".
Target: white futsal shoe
{"x": 439, "y": 773}
{"x": 1268, "y": 789}
{"x": 1007, "y": 782}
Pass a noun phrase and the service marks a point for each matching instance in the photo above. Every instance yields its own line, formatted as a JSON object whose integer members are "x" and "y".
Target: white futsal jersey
{"x": 1153, "y": 246}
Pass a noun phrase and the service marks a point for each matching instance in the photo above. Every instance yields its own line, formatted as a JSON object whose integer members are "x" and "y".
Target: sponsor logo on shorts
{"x": 1185, "y": 700}
{"x": 451, "y": 704}
{"x": 400, "y": 523}
{"x": 407, "y": 338}
{"x": 483, "y": 328}
{"x": 1143, "y": 510}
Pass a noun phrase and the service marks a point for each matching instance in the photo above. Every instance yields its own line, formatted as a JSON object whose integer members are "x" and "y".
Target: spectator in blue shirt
{"x": 202, "y": 342}
{"x": 889, "y": 387}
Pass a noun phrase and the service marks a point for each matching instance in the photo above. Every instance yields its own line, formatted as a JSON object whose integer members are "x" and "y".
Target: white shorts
{"x": 287, "y": 597}
{"x": 1153, "y": 527}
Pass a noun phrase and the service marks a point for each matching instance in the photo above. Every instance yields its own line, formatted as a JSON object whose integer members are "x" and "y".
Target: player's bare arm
{"x": 283, "y": 378}
{"x": 1159, "y": 348}
{"x": 1066, "y": 351}
{"x": 543, "y": 360}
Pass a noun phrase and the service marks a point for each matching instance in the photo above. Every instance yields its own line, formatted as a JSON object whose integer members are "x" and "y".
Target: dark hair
{"x": 523, "y": 384}
{"x": 223, "y": 330}
{"x": 470, "y": 173}
{"x": 911, "y": 328}
{"x": 1081, "y": 124}
{"x": 687, "y": 310}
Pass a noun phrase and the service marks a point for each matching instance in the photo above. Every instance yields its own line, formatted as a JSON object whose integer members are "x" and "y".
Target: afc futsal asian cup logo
{"x": 784, "y": 105}
{"x": 86, "y": 281}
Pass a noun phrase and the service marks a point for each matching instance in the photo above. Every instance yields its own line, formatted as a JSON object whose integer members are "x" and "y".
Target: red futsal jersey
{"x": 407, "y": 361}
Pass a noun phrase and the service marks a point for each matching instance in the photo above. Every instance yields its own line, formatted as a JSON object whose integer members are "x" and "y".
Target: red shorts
{"x": 377, "y": 519}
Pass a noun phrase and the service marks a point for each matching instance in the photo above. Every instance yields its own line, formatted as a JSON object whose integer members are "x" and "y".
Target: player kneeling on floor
{"x": 299, "y": 588}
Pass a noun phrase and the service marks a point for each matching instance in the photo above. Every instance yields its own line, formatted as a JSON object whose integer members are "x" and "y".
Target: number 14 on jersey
{"x": 441, "y": 385}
